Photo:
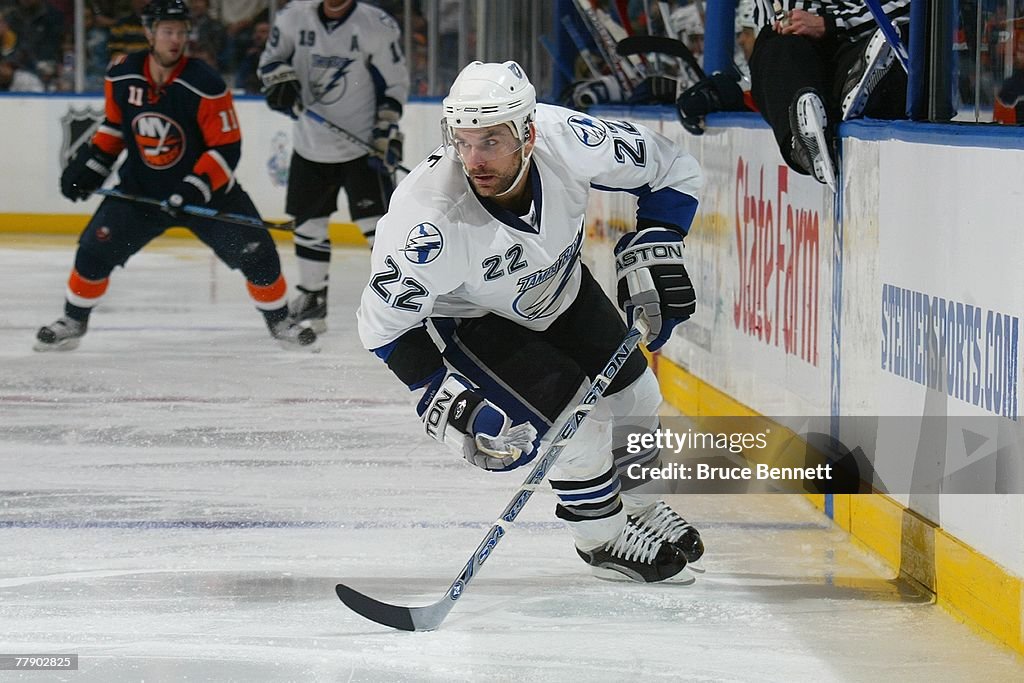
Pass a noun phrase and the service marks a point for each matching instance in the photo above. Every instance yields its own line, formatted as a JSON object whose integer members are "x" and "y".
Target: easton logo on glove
{"x": 642, "y": 255}
{"x": 456, "y": 413}
{"x": 653, "y": 281}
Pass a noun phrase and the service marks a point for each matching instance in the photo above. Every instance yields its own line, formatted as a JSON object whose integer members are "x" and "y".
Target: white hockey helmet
{"x": 490, "y": 94}
{"x": 485, "y": 95}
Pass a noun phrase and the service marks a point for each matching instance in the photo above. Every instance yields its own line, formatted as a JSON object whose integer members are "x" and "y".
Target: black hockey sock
{"x": 77, "y": 312}
{"x": 275, "y": 316}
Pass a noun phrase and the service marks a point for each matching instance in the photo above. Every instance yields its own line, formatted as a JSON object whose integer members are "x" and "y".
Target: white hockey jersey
{"x": 442, "y": 251}
{"x": 346, "y": 69}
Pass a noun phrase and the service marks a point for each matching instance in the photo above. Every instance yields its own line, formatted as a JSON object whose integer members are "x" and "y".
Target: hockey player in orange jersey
{"x": 175, "y": 119}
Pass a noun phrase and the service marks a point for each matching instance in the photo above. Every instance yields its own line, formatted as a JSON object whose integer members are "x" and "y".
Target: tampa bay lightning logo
{"x": 329, "y": 77}
{"x": 457, "y": 588}
{"x": 590, "y": 131}
{"x": 541, "y": 291}
{"x": 423, "y": 244}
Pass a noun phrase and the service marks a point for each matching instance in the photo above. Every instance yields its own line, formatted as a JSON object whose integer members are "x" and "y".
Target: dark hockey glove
{"x": 85, "y": 172}
{"x": 653, "y": 281}
{"x": 191, "y": 191}
{"x": 455, "y": 412}
{"x": 387, "y": 142}
{"x": 656, "y": 90}
{"x": 717, "y": 92}
{"x": 281, "y": 88}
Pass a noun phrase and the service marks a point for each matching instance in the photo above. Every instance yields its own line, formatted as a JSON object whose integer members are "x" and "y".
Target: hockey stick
{"x": 338, "y": 130}
{"x": 429, "y": 617}
{"x": 891, "y": 36}
{"x": 581, "y": 47}
{"x": 622, "y": 9}
{"x": 663, "y": 46}
{"x": 605, "y": 46}
{"x": 199, "y": 211}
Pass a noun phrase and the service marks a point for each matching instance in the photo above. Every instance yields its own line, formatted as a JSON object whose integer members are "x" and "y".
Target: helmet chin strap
{"x": 524, "y": 164}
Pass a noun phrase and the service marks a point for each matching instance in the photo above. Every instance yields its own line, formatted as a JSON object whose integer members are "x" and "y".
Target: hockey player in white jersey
{"x": 478, "y": 297}
{"x": 341, "y": 60}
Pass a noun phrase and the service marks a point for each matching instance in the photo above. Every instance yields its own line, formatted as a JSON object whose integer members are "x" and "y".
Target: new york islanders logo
{"x": 423, "y": 244}
{"x": 540, "y": 292}
{"x": 160, "y": 139}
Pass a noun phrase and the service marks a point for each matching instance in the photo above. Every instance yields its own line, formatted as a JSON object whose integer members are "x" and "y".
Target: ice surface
{"x": 179, "y": 496}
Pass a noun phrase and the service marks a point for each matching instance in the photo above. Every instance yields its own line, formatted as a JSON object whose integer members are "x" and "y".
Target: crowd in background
{"x": 37, "y": 52}
{"x": 37, "y": 39}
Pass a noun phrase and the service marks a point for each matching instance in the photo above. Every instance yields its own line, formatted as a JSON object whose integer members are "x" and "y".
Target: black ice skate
{"x": 637, "y": 555}
{"x": 310, "y": 308}
{"x": 294, "y": 337}
{"x": 812, "y": 145}
{"x": 669, "y": 526}
{"x": 64, "y": 334}
{"x": 870, "y": 68}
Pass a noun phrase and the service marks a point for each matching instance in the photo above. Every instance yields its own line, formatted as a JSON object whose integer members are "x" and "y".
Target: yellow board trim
{"x": 72, "y": 224}
{"x": 970, "y": 586}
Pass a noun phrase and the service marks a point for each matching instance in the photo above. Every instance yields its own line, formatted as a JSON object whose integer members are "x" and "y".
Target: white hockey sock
{"x": 313, "y": 251}
{"x": 313, "y": 274}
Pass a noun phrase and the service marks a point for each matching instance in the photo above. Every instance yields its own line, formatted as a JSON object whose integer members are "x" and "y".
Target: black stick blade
{"x": 394, "y": 616}
{"x": 632, "y": 45}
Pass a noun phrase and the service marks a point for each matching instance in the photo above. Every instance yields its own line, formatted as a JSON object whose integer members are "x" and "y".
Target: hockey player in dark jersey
{"x": 175, "y": 119}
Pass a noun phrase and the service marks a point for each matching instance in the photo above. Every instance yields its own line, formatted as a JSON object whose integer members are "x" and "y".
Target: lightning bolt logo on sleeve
{"x": 423, "y": 244}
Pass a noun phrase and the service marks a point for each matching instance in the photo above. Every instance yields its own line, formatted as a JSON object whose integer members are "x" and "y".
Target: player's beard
{"x": 497, "y": 182}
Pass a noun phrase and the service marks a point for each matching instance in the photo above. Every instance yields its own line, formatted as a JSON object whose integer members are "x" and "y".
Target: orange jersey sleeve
{"x": 108, "y": 137}
{"x": 223, "y": 137}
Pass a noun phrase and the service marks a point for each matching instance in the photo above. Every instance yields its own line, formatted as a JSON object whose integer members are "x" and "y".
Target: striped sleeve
{"x": 851, "y": 17}
{"x": 219, "y": 124}
{"x": 855, "y": 18}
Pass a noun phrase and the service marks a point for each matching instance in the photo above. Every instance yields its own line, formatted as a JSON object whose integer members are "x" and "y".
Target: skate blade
{"x": 680, "y": 579}
{"x": 66, "y": 345}
{"x": 298, "y": 348}
{"x": 817, "y": 144}
{"x": 697, "y": 566}
{"x": 319, "y": 325}
{"x": 877, "y": 68}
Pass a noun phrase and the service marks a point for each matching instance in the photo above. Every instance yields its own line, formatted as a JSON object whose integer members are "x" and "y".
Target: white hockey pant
{"x": 585, "y": 477}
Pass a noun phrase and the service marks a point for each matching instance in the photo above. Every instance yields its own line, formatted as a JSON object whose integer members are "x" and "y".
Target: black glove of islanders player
{"x": 85, "y": 172}
{"x": 192, "y": 190}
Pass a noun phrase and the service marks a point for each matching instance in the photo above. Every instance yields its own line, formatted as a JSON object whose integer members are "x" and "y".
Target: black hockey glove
{"x": 192, "y": 190}
{"x": 455, "y": 412}
{"x": 281, "y": 88}
{"x": 387, "y": 141}
{"x": 656, "y": 90}
{"x": 85, "y": 172}
{"x": 717, "y": 92}
{"x": 653, "y": 281}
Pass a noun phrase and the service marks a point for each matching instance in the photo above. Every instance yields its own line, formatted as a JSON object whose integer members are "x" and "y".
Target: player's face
{"x": 491, "y": 157}
{"x": 168, "y": 39}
